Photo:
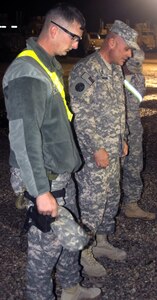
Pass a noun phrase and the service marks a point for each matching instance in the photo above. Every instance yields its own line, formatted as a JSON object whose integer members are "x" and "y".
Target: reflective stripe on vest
{"x": 131, "y": 89}
{"x": 53, "y": 77}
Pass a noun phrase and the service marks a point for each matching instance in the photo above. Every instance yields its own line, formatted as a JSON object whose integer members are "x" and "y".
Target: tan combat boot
{"x": 81, "y": 293}
{"x": 132, "y": 210}
{"x": 104, "y": 248}
{"x": 90, "y": 265}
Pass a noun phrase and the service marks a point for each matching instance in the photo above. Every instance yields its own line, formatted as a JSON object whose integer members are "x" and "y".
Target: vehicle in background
{"x": 148, "y": 41}
{"x": 95, "y": 41}
{"x": 146, "y": 36}
{"x": 102, "y": 36}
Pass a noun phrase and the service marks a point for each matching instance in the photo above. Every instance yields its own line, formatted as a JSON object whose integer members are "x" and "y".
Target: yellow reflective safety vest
{"x": 53, "y": 77}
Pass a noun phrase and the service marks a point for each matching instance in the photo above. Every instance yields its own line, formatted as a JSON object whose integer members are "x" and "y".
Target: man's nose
{"x": 129, "y": 53}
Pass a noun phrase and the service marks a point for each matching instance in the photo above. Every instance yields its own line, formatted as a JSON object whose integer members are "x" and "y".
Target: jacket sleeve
{"x": 25, "y": 100}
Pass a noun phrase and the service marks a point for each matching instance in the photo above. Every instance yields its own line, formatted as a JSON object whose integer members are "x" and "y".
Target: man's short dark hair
{"x": 67, "y": 12}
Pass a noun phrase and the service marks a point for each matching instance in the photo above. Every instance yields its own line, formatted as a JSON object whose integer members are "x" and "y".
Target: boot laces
{"x": 91, "y": 258}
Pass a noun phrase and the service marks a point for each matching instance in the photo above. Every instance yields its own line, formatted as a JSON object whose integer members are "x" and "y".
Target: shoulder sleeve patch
{"x": 88, "y": 78}
{"x": 81, "y": 84}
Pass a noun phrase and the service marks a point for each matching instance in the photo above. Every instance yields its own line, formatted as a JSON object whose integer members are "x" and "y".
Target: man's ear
{"x": 112, "y": 43}
{"x": 53, "y": 31}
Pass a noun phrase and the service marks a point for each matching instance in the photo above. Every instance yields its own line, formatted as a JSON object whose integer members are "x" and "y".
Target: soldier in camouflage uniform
{"x": 133, "y": 163}
{"x": 97, "y": 99}
{"x": 43, "y": 150}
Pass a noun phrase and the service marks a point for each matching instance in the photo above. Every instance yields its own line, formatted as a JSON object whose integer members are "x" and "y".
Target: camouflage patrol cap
{"x": 70, "y": 234}
{"x": 126, "y": 32}
{"x": 134, "y": 63}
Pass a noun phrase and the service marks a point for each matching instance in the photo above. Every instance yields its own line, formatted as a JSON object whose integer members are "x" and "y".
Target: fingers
{"x": 54, "y": 212}
{"x": 47, "y": 205}
{"x": 102, "y": 164}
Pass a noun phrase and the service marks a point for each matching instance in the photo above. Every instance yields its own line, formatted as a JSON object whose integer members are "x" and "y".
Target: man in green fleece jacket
{"x": 43, "y": 148}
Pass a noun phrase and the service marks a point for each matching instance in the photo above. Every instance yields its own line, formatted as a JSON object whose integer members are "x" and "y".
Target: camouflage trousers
{"x": 99, "y": 195}
{"x": 45, "y": 253}
{"x": 16, "y": 181}
{"x": 132, "y": 167}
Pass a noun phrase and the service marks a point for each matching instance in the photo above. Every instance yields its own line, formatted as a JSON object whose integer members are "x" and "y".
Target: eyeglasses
{"x": 73, "y": 36}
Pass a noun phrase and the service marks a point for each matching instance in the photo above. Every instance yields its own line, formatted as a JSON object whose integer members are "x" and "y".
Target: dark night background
{"x": 93, "y": 10}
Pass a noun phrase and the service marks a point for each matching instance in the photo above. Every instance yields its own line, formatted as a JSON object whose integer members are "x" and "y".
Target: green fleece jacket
{"x": 40, "y": 134}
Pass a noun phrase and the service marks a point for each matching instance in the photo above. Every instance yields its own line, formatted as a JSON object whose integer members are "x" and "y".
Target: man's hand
{"x": 125, "y": 149}
{"x": 101, "y": 158}
{"x": 47, "y": 204}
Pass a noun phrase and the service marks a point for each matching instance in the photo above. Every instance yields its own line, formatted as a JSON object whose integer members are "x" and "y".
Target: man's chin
{"x": 121, "y": 63}
{"x": 65, "y": 52}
